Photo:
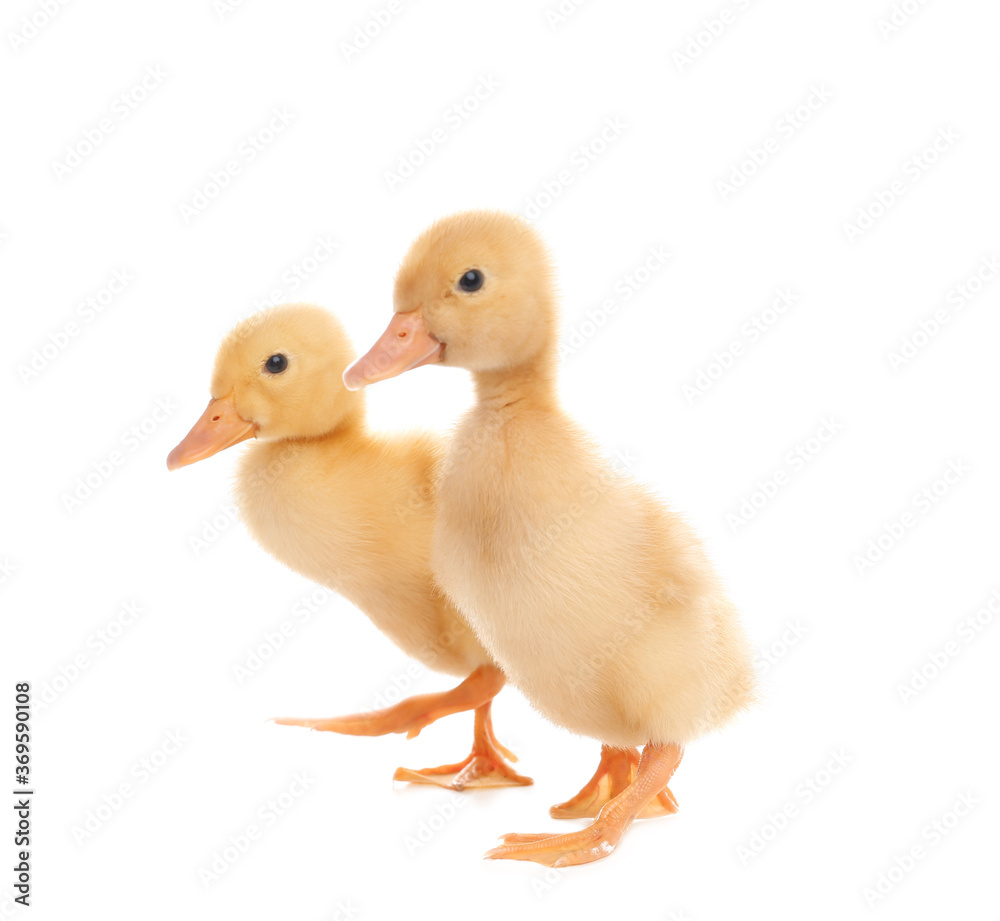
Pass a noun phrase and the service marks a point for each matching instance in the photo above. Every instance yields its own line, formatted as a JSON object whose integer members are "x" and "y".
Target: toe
{"x": 515, "y": 838}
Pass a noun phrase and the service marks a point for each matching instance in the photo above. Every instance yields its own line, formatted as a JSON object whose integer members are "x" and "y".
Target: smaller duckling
{"x": 353, "y": 511}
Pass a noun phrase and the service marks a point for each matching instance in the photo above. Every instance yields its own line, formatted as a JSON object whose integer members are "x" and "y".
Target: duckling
{"x": 351, "y": 510}
{"x": 598, "y": 602}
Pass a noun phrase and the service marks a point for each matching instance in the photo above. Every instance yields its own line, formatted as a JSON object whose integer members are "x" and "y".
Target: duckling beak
{"x": 405, "y": 344}
{"x": 219, "y": 427}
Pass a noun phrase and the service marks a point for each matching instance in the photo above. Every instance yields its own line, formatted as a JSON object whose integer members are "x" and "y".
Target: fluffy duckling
{"x": 597, "y": 601}
{"x": 349, "y": 509}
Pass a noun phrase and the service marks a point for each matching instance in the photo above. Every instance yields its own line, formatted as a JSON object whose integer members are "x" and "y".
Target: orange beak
{"x": 405, "y": 344}
{"x": 219, "y": 427}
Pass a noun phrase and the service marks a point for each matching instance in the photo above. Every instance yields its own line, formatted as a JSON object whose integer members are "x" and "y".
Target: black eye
{"x": 471, "y": 280}
{"x": 276, "y": 363}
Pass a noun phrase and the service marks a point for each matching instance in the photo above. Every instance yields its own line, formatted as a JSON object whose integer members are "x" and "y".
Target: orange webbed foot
{"x": 486, "y": 765}
{"x": 614, "y": 773}
{"x": 584, "y": 846}
{"x": 474, "y": 771}
{"x": 646, "y": 787}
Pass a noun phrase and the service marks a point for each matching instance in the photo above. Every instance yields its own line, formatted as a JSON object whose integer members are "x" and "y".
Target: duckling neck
{"x": 349, "y": 434}
{"x": 346, "y": 438}
{"x": 532, "y": 383}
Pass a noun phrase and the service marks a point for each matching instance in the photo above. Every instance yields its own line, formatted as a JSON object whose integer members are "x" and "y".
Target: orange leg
{"x": 615, "y": 772}
{"x": 656, "y": 766}
{"x": 485, "y": 766}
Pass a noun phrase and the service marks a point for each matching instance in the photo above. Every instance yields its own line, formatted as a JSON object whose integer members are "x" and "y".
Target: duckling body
{"x": 610, "y": 620}
{"x": 350, "y": 509}
{"x": 353, "y": 512}
{"x": 597, "y": 601}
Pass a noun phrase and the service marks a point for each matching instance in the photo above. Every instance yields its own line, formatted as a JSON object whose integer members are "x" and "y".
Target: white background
{"x": 842, "y": 642}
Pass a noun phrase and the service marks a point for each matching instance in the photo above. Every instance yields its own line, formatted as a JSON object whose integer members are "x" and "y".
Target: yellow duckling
{"x": 349, "y": 509}
{"x": 596, "y": 600}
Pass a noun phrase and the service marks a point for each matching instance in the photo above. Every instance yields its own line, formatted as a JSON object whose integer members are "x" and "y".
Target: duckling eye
{"x": 471, "y": 280}
{"x": 276, "y": 364}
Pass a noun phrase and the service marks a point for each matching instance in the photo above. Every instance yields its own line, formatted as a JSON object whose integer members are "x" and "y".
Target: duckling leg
{"x": 656, "y": 766}
{"x": 485, "y": 766}
{"x": 414, "y": 713}
{"x": 614, "y": 773}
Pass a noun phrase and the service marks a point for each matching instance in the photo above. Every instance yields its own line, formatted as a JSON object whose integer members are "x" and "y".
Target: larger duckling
{"x": 349, "y": 509}
{"x": 597, "y": 601}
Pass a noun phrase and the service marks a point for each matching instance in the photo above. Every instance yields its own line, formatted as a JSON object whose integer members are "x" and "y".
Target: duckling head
{"x": 474, "y": 291}
{"x": 277, "y": 375}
